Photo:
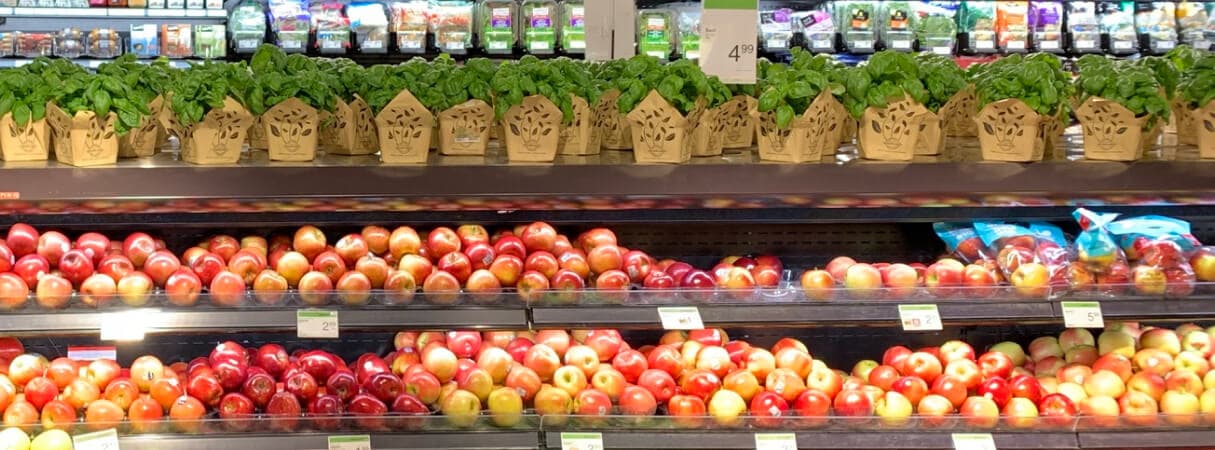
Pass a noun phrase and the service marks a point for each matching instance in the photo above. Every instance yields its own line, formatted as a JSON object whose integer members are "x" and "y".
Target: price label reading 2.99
{"x": 727, "y": 40}
{"x": 316, "y": 324}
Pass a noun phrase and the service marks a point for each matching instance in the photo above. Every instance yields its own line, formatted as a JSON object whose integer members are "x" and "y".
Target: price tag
{"x": 316, "y": 323}
{"x": 680, "y": 318}
{"x": 454, "y": 45}
{"x": 901, "y": 44}
{"x": 373, "y": 45}
{"x": 1015, "y": 45}
{"x": 359, "y": 442}
{"x": 92, "y": 353}
{"x": 497, "y": 45}
{"x": 985, "y": 45}
{"x": 410, "y": 44}
{"x": 248, "y": 43}
{"x": 539, "y": 45}
{"x": 727, "y": 42}
{"x": 581, "y": 441}
{"x": 920, "y": 317}
{"x": 98, "y": 440}
{"x": 1123, "y": 45}
{"x": 1165, "y": 45}
{"x": 330, "y": 44}
{"x": 1082, "y": 315}
{"x": 577, "y": 44}
{"x": 824, "y": 43}
{"x": 124, "y": 326}
{"x": 775, "y": 441}
{"x": 1086, "y": 44}
{"x": 777, "y": 43}
{"x": 291, "y": 44}
{"x": 973, "y": 441}
{"x": 862, "y": 45}
{"x": 1048, "y": 45}
{"x": 943, "y": 50}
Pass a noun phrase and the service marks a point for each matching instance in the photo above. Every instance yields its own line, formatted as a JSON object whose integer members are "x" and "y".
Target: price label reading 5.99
{"x": 727, "y": 40}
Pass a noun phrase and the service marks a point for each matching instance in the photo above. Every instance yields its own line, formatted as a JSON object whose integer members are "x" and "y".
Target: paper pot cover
{"x": 612, "y": 125}
{"x": 1204, "y": 130}
{"x": 808, "y": 137}
{"x": 29, "y": 143}
{"x": 404, "y": 128}
{"x": 708, "y": 131}
{"x": 739, "y": 126}
{"x": 890, "y": 133}
{"x": 660, "y": 133}
{"x": 1111, "y": 132}
{"x": 292, "y": 129}
{"x": 218, "y": 139}
{"x": 464, "y": 128}
{"x": 532, "y": 130}
{"x": 354, "y": 129}
{"x": 1010, "y": 131}
{"x": 580, "y": 137}
{"x": 83, "y": 139}
{"x": 144, "y": 140}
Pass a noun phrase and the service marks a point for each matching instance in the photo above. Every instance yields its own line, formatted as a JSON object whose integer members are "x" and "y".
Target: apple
{"x": 853, "y": 403}
{"x": 51, "y": 440}
{"x": 637, "y": 401}
{"x": 1057, "y": 409}
{"x": 97, "y": 290}
{"x": 1154, "y": 361}
{"x": 1100, "y": 411}
{"x": 894, "y": 408}
{"x": 862, "y": 276}
{"x": 28, "y": 269}
{"x": 40, "y": 390}
{"x": 995, "y": 364}
{"x": 933, "y": 409}
{"x": 52, "y": 245}
{"x": 1020, "y": 412}
{"x": 369, "y": 411}
{"x": 979, "y": 412}
{"x": 688, "y": 410}
{"x": 660, "y": 384}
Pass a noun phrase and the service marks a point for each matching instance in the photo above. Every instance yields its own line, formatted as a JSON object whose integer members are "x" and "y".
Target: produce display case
{"x": 474, "y": 301}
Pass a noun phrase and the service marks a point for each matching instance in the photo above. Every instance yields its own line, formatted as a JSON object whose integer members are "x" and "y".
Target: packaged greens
{"x": 1012, "y": 26}
{"x": 817, "y": 29}
{"x": 539, "y": 26}
{"x": 248, "y": 25}
{"x": 451, "y": 22}
{"x": 1118, "y": 21}
{"x": 688, "y": 18}
{"x": 897, "y": 27}
{"x": 331, "y": 26}
{"x": 497, "y": 20}
{"x": 1157, "y": 20}
{"x": 857, "y": 20}
{"x": 936, "y": 26}
{"x": 1192, "y": 21}
{"x": 370, "y": 26}
{"x": 775, "y": 28}
{"x": 209, "y": 42}
{"x": 410, "y": 23}
{"x": 291, "y": 23}
{"x": 573, "y": 26}
{"x": 655, "y": 32}
{"x": 978, "y": 20}
{"x": 1083, "y": 26}
{"x": 1046, "y": 23}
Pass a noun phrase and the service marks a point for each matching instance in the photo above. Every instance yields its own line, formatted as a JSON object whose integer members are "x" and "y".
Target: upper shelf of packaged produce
{"x": 734, "y": 187}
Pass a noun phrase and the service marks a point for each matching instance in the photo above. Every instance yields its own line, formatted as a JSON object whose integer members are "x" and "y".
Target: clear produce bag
{"x": 248, "y": 25}
{"x": 936, "y": 26}
{"x": 291, "y": 23}
{"x": 573, "y": 26}
{"x": 1046, "y": 23}
{"x": 776, "y": 29}
{"x": 656, "y": 32}
{"x": 1159, "y": 249}
{"x": 1158, "y": 21}
{"x": 689, "y": 30}
{"x": 978, "y": 21}
{"x": 1118, "y": 22}
{"x": 410, "y": 22}
{"x": 331, "y": 26}
{"x": 497, "y": 20}
{"x": 1016, "y": 247}
{"x": 897, "y": 26}
{"x": 817, "y": 29}
{"x": 1192, "y": 21}
{"x": 1083, "y": 26}
{"x": 539, "y": 26}
{"x": 858, "y": 20}
{"x": 452, "y": 25}
{"x": 1012, "y": 26}
{"x": 962, "y": 241}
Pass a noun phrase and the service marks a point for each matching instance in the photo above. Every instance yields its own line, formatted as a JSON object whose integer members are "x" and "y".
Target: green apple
{"x": 15, "y": 439}
{"x": 506, "y": 407}
{"x": 52, "y": 440}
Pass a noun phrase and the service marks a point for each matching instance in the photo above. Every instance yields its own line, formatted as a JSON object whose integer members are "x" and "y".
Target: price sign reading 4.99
{"x": 97, "y": 440}
{"x": 727, "y": 40}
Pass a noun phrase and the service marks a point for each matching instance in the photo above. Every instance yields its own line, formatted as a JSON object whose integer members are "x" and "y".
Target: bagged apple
{"x": 1052, "y": 251}
{"x": 1099, "y": 259}
{"x": 962, "y": 242}
{"x": 1016, "y": 250}
{"x": 1159, "y": 248}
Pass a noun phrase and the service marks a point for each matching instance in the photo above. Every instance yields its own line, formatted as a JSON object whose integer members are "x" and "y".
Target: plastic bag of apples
{"x": 1032, "y": 258}
{"x": 1100, "y": 262}
{"x": 1160, "y": 249}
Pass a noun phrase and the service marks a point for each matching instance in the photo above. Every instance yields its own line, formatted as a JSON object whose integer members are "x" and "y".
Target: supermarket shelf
{"x": 1114, "y": 439}
{"x": 1179, "y": 309}
{"x": 160, "y": 13}
{"x": 514, "y": 440}
{"x": 852, "y": 440}
{"x": 608, "y": 187}
{"x": 92, "y": 63}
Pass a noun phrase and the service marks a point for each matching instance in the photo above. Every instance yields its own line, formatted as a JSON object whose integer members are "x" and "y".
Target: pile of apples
{"x": 533, "y": 259}
{"x": 947, "y": 277}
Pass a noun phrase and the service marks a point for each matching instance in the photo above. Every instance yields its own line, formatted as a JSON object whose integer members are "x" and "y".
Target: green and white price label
{"x": 316, "y": 323}
{"x": 356, "y": 442}
{"x": 973, "y": 441}
{"x": 97, "y": 440}
{"x": 727, "y": 40}
{"x": 680, "y": 318}
{"x": 920, "y": 317}
{"x": 1082, "y": 315}
{"x": 581, "y": 441}
{"x": 775, "y": 441}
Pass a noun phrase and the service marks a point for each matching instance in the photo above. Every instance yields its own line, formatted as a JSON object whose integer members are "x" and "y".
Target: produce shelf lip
{"x": 1130, "y": 438}
{"x": 365, "y": 177}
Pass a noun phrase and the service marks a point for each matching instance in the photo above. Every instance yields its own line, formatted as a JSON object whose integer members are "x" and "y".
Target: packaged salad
{"x": 1192, "y": 21}
{"x": 978, "y": 21}
{"x": 410, "y": 21}
{"x": 573, "y": 26}
{"x": 656, "y": 32}
{"x": 897, "y": 28}
{"x": 370, "y": 26}
{"x": 331, "y": 26}
{"x": 247, "y": 22}
{"x": 209, "y": 42}
{"x": 291, "y": 23}
{"x": 1157, "y": 21}
{"x": 498, "y": 22}
{"x": 1118, "y": 22}
{"x": 687, "y": 16}
{"x": 1083, "y": 26}
{"x": 936, "y": 26}
{"x": 775, "y": 29}
{"x": 817, "y": 28}
{"x": 858, "y": 21}
{"x": 451, "y": 22}
{"x": 539, "y": 26}
{"x": 1046, "y": 24}
{"x": 1012, "y": 26}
